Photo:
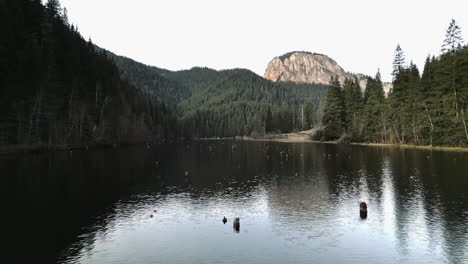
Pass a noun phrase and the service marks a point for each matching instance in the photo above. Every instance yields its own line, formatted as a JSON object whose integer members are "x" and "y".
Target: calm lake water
{"x": 297, "y": 203}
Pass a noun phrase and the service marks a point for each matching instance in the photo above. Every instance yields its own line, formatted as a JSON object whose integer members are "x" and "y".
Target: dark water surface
{"x": 297, "y": 203}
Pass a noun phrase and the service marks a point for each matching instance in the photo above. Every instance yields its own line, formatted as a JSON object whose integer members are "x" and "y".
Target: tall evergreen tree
{"x": 450, "y": 90}
{"x": 353, "y": 105}
{"x": 54, "y": 8}
{"x": 399, "y": 61}
{"x": 333, "y": 116}
{"x": 308, "y": 118}
{"x": 453, "y": 38}
{"x": 429, "y": 101}
{"x": 405, "y": 105}
{"x": 269, "y": 126}
{"x": 375, "y": 128}
{"x": 414, "y": 108}
{"x": 287, "y": 119}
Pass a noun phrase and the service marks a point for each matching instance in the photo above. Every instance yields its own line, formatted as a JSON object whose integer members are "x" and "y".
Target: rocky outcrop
{"x": 307, "y": 67}
{"x": 304, "y": 67}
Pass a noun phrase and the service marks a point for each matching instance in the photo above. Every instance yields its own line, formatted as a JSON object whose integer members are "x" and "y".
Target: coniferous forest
{"x": 57, "y": 89}
{"x": 425, "y": 108}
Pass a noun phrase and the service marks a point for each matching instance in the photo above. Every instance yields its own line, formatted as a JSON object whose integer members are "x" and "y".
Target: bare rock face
{"x": 387, "y": 87}
{"x": 306, "y": 67}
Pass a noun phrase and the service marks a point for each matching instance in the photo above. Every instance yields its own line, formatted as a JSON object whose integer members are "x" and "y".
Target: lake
{"x": 297, "y": 203}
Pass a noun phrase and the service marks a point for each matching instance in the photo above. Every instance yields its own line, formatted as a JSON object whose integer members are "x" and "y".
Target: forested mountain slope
{"x": 56, "y": 89}
{"x": 239, "y": 102}
{"x": 151, "y": 79}
{"x": 235, "y": 102}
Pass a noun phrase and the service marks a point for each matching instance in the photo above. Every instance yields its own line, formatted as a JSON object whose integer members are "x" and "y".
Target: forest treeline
{"x": 421, "y": 109}
{"x": 239, "y": 102}
{"x": 57, "y": 89}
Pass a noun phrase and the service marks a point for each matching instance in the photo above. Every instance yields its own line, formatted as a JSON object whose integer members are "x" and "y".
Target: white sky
{"x": 360, "y": 35}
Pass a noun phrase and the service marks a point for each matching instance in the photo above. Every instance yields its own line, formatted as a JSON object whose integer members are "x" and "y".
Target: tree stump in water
{"x": 236, "y": 224}
{"x": 363, "y": 210}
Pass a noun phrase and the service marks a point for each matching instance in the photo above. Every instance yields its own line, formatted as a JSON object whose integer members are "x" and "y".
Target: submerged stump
{"x": 236, "y": 224}
{"x": 363, "y": 210}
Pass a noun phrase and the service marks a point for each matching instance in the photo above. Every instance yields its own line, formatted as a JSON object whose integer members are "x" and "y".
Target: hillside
{"x": 56, "y": 89}
{"x": 151, "y": 79}
{"x": 235, "y": 102}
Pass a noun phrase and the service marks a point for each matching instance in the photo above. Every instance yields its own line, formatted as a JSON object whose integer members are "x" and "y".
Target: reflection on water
{"x": 297, "y": 203}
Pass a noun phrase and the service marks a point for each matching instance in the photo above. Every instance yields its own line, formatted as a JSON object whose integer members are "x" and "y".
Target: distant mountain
{"x": 307, "y": 67}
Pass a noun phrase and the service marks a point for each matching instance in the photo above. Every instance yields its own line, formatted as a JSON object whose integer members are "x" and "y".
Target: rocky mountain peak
{"x": 304, "y": 67}
{"x": 307, "y": 67}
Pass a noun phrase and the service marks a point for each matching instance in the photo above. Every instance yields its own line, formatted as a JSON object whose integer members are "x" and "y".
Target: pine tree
{"x": 414, "y": 108}
{"x": 53, "y": 7}
{"x": 399, "y": 61}
{"x": 333, "y": 117}
{"x": 353, "y": 104}
{"x": 277, "y": 120}
{"x": 375, "y": 128}
{"x": 287, "y": 119}
{"x": 269, "y": 126}
{"x": 307, "y": 116}
{"x": 453, "y": 38}
{"x": 429, "y": 101}
{"x": 65, "y": 17}
{"x": 450, "y": 85}
{"x": 404, "y": 105}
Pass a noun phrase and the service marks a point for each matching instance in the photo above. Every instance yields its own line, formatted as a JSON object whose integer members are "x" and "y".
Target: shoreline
{"x": 44, "y": 148}
{"x": 409, "y": 146}
{"x": 304, "y": 137}
{"x": 27, "y": 149}
{"x": 300, "y": 137}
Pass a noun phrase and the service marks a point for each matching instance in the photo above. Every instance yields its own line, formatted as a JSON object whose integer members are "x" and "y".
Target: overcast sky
{"x": 179, "y": 34}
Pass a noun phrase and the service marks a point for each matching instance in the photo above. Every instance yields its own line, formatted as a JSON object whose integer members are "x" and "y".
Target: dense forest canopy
{"x": 427, "y": 109}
